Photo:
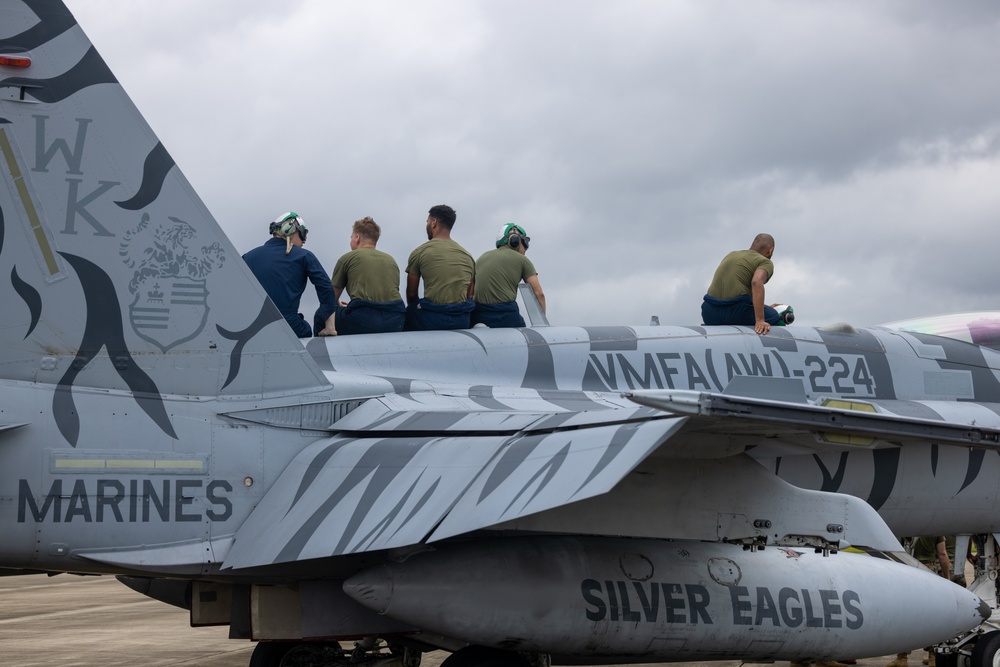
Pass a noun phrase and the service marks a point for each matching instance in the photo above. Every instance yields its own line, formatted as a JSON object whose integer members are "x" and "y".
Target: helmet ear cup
{"x": 287, "y": 224}
{"x": 512, "y": 235}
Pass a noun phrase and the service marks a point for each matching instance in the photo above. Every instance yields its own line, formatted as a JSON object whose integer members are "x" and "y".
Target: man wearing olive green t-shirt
{"x": 371, "y": 277}
{"x": 447, "y": 271}
{"x": 498, "y": 273}
{"x": 736, "y": 295}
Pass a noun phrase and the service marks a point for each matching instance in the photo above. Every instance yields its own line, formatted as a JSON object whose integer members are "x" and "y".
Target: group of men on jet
{"x": 458, "y": 292}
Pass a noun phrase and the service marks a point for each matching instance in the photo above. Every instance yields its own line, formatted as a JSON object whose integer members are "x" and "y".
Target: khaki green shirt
{"x": 446, "y": 269}
{"x": 498, "y": 273}
{"x": 735, "y": 273}
{"x": 925, "y": 550}
{"x": 368, "y": 274}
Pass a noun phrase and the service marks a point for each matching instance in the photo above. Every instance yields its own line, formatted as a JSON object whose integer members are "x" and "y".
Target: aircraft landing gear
{"x": 296, "y": 654}
{"x": 981, "y": 647}
{"x": 975, "y": 650}
{"x": 368, "y": 652}
{"x": 482, "y": 656}
{"x": 946, "y": 660}
{"x": 987, "y": 650}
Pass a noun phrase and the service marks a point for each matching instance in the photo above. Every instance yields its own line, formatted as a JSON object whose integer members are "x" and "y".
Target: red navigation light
{"x": 15, "y": 61}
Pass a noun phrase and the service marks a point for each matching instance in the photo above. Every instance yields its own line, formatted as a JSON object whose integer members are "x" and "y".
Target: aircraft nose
{"x": 371, "y": 587}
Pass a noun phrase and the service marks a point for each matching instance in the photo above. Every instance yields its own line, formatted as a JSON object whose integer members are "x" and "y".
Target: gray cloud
{"x": 637, "y": 141}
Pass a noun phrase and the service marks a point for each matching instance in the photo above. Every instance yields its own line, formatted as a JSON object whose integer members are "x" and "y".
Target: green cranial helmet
{"x": 513, "y": 235}
{"x": 288, "y": 224}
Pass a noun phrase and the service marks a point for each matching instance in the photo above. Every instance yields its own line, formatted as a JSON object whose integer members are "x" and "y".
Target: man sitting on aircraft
{"x": 448, "y": 272}
{"x": 498, "y": 273}
{"x": 282, "y": 267}
{"x": 371, "y": 277}
{"x": 736, "y": 295}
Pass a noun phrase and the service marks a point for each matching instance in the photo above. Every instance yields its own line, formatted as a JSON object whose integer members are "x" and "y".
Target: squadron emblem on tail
{"x": 170, "y": 279}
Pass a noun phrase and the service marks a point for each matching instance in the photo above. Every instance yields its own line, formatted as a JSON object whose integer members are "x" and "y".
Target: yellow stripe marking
{"x": 117, "y": 464}
{"x": 131, "y": 463}
{"x": 847, "y": 438}
{"x": 29, "y": 206}
{"x": 841, "y": 404}
{"x": 79, "y": 463}
{"x": 188, "y": 465}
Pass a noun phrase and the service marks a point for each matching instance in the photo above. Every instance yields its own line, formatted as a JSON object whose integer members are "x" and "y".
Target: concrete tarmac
{"x": 73, "y": 621}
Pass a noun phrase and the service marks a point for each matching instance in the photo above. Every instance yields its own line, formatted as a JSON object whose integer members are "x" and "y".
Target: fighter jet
{"x": 544, "y": 495}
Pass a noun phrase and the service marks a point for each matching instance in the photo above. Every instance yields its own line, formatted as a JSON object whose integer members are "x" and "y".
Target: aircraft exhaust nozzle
{"x": 668, "y": 600}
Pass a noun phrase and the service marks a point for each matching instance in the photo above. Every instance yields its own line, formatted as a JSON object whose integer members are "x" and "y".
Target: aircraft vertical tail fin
{"x": 113, "y": 274}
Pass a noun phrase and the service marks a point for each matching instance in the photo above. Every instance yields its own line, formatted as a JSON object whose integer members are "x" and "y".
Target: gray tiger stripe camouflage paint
{"x": 617, "y": 443}
{"x": 154, "y": 172}
{"x": 483, "y": 395}
{"x": 611, "y": 338}
{"x": 540, "y": 370}
{"x": 380, "y": 458}
{"x": 413, "y": 490}
{"x": 316, "y": 466}
{"x": 32, "y": 299}
{"x": 51, "y": 25}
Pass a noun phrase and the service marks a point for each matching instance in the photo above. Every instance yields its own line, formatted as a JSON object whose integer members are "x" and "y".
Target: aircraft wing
{"x": 432, "y": 475}
{"x": 840, "y": 421}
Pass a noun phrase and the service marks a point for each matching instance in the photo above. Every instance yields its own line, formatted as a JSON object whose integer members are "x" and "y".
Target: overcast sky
{"x": 637, "y": 142}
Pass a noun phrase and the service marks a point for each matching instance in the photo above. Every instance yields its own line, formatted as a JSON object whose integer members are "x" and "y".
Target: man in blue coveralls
{"x": 282, "y": 267}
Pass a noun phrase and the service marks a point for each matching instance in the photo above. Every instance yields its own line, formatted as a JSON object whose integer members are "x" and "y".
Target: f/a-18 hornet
{"x": 540, "y": 495}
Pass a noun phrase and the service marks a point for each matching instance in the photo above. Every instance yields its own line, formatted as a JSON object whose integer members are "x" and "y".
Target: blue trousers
{"x": 422, "y": 315}
{"x": 360, "y": 316}
{"x": 497, "y": 315}
{"x": 738, "y": 310}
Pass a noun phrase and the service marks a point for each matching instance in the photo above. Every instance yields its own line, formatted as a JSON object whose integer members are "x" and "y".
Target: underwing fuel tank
{"x": 656, "y": 600}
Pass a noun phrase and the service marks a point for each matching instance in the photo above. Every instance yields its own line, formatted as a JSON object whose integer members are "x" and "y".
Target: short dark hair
{"x": 444, "y": 214}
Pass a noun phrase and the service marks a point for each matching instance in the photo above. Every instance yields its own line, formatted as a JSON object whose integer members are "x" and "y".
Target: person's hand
{"x": 329, "y": 327}
{"x": 761, "y": 327}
